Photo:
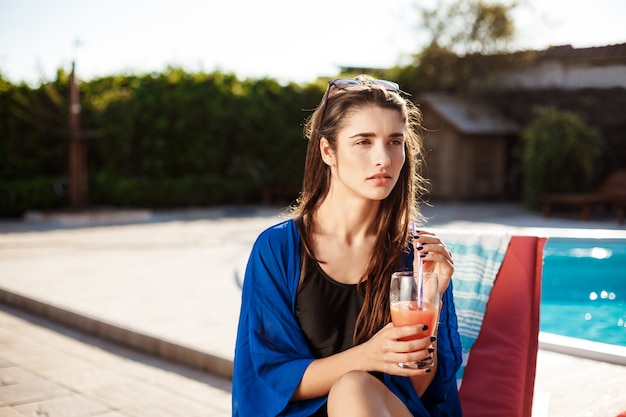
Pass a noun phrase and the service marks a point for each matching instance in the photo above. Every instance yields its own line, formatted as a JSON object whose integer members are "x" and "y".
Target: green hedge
{"x": 37, "y": 193}
{"x": 170, "y": 139}
{"x": 167, "y": 192}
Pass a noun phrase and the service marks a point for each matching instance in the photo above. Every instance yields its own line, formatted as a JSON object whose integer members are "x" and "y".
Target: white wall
{"x": 566, "y": 77}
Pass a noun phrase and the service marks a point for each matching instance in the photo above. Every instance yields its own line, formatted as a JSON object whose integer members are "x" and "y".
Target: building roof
{"x": 598, "y": 53}
{"x": 469, "y": 116}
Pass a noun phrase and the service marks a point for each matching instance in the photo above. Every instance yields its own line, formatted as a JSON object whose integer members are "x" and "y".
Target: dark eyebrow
{"x": 370, "y": 134}
{"x": 363, "y": 135}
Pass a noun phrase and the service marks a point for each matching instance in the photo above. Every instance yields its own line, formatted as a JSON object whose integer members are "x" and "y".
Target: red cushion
{"x": 500, "y": 375}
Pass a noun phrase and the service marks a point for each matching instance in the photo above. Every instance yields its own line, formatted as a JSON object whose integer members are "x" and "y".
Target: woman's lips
{"x": 380, "y": 179}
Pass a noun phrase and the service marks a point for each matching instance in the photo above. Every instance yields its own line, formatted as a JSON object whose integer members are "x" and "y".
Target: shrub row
{"x": 170, "y": 139}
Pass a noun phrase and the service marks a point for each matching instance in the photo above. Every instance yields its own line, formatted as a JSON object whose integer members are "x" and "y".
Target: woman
{"x": 314, "y": 335}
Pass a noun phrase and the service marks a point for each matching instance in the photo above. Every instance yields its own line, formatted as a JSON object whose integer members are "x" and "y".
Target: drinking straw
{"x": 420, "y": 279}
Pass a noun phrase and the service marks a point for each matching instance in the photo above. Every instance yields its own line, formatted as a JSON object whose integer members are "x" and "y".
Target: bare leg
{"x": 359, "y": 394}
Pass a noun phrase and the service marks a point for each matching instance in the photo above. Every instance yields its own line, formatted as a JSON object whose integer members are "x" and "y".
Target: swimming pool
{"x": 584, "y": 289}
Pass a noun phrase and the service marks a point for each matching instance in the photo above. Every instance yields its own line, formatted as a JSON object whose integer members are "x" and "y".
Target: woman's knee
{"x": 360, "y": 393}
{"x": 354, "y": 383}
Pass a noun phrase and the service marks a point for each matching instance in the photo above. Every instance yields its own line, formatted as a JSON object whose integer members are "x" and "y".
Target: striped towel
{"x": 477, "y": 260}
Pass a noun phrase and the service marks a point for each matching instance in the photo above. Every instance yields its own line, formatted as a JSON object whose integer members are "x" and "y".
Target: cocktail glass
{"x": 415, "y": 300}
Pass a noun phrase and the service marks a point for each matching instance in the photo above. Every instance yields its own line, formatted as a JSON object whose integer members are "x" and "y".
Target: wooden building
{"x": 468, "y": 148}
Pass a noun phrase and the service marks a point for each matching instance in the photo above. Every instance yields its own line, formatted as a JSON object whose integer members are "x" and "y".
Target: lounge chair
{"x": 610, "y": 194}
{"x": 499, "y": 378}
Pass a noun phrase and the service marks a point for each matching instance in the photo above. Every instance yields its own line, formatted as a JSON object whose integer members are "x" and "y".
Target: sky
{"x": 288, "y": 40}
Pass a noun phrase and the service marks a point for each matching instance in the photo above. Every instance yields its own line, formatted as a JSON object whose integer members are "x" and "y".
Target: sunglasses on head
{"x": 342, "y": 83}
{"x": 348, "y": 82}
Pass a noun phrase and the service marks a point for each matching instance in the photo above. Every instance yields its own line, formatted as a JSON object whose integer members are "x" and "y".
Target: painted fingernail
{"x": 425, "y": 327}
{"x": 431, "y": 350}
{"x": 427, "y": 370}
{"x": 423, "y": 255}
{"x": 420, "y": 247}
{"x": 433, "y": 338}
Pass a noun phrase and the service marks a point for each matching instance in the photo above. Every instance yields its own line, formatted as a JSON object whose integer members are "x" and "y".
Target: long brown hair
{"x": 396, "y": 212}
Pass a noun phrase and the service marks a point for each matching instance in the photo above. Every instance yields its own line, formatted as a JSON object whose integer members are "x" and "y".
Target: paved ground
{"x": 165, "y": 284}
{"x": 47, "y": 370}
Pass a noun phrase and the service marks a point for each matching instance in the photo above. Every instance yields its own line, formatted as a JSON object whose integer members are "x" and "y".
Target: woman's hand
{"x": 435, "y": 256}
{"x": 384, "y": 351}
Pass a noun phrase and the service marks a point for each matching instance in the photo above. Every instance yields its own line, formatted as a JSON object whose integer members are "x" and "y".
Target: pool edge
{"x": 583, "y": 348}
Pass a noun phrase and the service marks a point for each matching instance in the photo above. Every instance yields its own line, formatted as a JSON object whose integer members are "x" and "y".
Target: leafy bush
{"x": 190, "y": 191}
{"x": 41, "y": 193}
{"x": 170, "y": 139}
{"x": 560, "y": 154}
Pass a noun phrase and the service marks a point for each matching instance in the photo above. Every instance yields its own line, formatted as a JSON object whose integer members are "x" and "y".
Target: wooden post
{"x": 77, "y": 152}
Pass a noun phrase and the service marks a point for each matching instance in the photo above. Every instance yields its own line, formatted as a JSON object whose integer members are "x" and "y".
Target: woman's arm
{"x": 381, "y": 353}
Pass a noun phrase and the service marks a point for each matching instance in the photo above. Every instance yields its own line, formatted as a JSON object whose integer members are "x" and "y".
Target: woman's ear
{"x": 328, "y": 156}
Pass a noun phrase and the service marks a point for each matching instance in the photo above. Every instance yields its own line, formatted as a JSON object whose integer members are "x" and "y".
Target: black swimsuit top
{"x": 327, "y": 311}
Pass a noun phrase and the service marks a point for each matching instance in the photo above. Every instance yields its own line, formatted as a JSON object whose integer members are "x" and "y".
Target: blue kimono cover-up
{"x": 271, "y": 353}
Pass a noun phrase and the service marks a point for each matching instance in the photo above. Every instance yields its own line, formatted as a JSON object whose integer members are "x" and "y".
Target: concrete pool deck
{"x": 163, "y": 282}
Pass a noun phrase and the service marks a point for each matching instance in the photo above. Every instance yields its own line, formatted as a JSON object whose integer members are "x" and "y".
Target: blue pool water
{"x": 584, "y": 289}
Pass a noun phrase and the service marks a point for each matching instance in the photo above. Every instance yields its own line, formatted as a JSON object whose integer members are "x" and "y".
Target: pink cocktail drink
{"x": 407, "y": 313}
{"x": 414, "y": 300}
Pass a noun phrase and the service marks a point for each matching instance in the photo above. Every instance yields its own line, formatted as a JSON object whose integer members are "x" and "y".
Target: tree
{"x": 560, "y": 155}
{"x": 467, "y": 41}
{"x": 468, "y": 26}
